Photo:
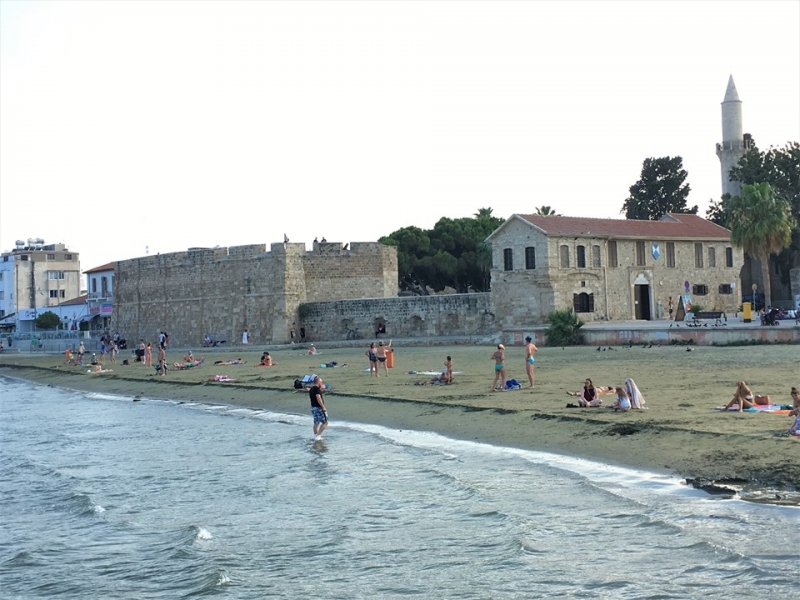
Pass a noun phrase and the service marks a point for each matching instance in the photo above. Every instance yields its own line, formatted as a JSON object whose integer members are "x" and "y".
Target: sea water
{"x": 102, "y": 497}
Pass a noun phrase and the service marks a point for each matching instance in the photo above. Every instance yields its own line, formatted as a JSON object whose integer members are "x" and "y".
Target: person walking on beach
{"x": 381, "y": 352}
{"x": 499, "y": 357}
{"x": 148, "y": 355}
{"x": 530, "y": 350}
{"x": 318, "y": 410}
{"x": 372, "y": 355}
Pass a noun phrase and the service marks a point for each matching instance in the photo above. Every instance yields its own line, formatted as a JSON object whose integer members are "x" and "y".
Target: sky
{"x": 129, "y": 128}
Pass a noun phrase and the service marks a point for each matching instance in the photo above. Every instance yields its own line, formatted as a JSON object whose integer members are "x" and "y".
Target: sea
{"x": 105, "y": 497}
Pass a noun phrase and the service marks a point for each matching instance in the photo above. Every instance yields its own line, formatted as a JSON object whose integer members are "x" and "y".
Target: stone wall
{"x": 221, "y": 291}
{"x": 409, "y": 316}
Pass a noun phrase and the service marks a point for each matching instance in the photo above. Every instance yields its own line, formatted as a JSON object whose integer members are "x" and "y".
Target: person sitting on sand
{"x": 589, "y": 396}
{"x": 745, "y": 398}
{"x": 188, "y": 357}
{"x": 98, "y": 369}
{"x": 266, "y": 360}
{"x": 623, "y": 402}
{"x": 238, "y": 361}
{"x": 636, "y": 398}
{"x": 312, "y": 350}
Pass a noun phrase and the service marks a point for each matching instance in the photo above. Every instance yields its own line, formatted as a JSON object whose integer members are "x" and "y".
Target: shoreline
{"x": 721, "y": 453}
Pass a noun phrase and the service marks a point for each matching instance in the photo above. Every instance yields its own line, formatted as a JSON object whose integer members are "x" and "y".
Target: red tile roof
{"x": 78, "y": 300}
{"x": 673, "y": 226}
{"x": 105, "y": 267}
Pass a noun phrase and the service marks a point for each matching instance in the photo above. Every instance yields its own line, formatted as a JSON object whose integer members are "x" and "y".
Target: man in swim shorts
{"x": 530, "y": 350}
{"x": 499, "y": 357}
{"x": 318, "y": 410}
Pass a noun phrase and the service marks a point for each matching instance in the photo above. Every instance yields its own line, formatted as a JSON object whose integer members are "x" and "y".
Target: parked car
{"x": 759, "y": 300}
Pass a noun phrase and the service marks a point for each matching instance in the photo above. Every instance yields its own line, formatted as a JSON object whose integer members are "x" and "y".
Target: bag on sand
{"x": 512, "y": 384}
{"x": 298, "y": 385}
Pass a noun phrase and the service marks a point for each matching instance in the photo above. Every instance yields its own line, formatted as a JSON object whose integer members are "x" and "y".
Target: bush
{"x": 47, "y": 320}
{"x": 696, "y": 308}
{"x": 563, "y": 329}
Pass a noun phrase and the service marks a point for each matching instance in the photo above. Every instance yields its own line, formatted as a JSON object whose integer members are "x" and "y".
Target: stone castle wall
{"x": 408, "y": 316}
{"x": 221, "y": 291}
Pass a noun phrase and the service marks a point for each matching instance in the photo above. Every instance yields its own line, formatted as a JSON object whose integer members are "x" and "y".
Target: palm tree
{"x": 546, "y": 211}
{"x": 761, "y": 223}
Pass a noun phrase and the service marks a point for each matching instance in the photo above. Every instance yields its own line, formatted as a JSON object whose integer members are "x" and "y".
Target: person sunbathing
{"x": 188, "y": 357}
{"x": 187, "y": 364}
{"x": 745, "y": 398}
{"x": 221, "y": 378}
{"x": 238, "y": 361}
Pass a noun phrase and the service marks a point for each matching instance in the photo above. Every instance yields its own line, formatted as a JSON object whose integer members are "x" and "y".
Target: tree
{"x": 452, "y": 254}
{"x": 661, "y": 188}
{"x": 48, "y": 320}
{"x": 546, "y": 211}
{"x": 563, "y": 328}
{"x": 761, "y": 223}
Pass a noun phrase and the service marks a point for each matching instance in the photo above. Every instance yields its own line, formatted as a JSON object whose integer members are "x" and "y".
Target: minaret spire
{"x": 733, "y": 146}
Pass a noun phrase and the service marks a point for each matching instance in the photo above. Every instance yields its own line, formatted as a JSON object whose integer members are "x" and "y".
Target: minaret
{"x": 733, "y": 145}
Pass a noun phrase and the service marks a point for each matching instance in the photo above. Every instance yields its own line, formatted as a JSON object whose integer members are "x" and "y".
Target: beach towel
{"x": 637, "y": 400}
{"x": 308, "y": 378}
{"x": 775, "y": 409}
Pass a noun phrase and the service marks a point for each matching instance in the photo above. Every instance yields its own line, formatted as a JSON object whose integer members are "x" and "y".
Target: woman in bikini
{"x": 499, "y": 357}
{"x": 745, "y": 398}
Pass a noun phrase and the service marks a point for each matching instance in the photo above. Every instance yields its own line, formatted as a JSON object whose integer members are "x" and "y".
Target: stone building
{"x": 610, "y": 269}
{"x": 220, "y": 292}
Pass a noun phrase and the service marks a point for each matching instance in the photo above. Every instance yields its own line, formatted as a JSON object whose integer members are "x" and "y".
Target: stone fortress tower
{"x": 733, "y": 144}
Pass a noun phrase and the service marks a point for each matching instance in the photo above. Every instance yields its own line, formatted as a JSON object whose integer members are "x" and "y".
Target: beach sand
{"x": 681, "y": 432}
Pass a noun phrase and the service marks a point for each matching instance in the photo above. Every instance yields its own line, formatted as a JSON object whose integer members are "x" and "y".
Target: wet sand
{"x": 680, "y": 433}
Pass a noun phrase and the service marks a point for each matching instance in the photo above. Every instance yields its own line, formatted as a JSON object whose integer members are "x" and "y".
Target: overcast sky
{"x": 128, "y": 127}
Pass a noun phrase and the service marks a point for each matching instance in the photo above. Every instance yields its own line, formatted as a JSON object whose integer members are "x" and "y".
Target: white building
{"x": 100, "y": 295}
{"x": 36, "y": 277}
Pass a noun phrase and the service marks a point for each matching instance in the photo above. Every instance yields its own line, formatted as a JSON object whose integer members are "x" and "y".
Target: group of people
{"x": 744, "y": 398}
{"x": 377, "y": 356}
{"x": 499, "y": 358}
{"x": 627, "y": 396}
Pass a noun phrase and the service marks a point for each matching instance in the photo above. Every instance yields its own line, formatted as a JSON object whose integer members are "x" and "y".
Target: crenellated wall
{"x": 221, "y": 291}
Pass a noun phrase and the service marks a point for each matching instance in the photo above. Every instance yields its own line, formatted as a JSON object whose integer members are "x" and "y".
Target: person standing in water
{"x": 318, "y": 410}
{"x": 530, "y": 350}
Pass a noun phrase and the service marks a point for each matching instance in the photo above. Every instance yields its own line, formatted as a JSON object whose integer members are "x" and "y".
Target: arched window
{"x": 581, "y": 257}
{"x": 565, "y": 257}
{"x": 583, "y": 302}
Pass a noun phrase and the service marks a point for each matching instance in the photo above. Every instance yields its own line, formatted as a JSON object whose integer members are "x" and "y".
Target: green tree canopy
{"x": 546, "y": 211}
{"x": 453, "y": 254}
{"x": 47, "y": 320}
{"x": 661, "y": 188}
{"x": 761, "y": 223}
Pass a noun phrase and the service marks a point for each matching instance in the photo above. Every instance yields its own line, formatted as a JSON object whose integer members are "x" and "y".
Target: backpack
{"x": 298, "y": 385}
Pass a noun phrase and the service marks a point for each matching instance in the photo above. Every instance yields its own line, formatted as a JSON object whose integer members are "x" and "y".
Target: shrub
{"x": 563, "y": 329}
{"x": 47, "y": 320}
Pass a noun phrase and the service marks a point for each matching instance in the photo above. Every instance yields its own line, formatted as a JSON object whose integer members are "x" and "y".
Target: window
{"x": 583, "y": 302}
{"x": 729, "y": 257}
{"x": 1, "y": 294}
{"x": 530, "y": 257}
{"x": 57, "y": 294}
{"x": 640, "y": 254}
{"x": 712, "y": 257}
{"x": 52, "y": 275}
{"x": 23, "y": 257}
{"x": 698, "y": 256}
{"x": 104, "y": 284}
{"x": 2, "y": 312}
{"x": 565, "y": 257}
{"x": 508, "y": 261}
{"x": 596, "y": 257}
{"x": 671, "y": 254}
{"x": 725, "y": 288}
{"x": 581, "y": 257}
{"x": 612, "y": 253}
{"x": 1, "y": 276}
{"x": 700, "y": 289}
{"x": 68, "y": 257}
{"x": 51, "y": 257}
{"x": 94, "y": 286}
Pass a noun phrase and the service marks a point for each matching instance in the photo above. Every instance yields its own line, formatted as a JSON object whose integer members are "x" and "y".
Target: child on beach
{"x": 623, "y": 402}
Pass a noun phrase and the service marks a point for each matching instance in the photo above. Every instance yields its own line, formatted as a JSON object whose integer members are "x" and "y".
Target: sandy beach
{"x": 681, "y": 432}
